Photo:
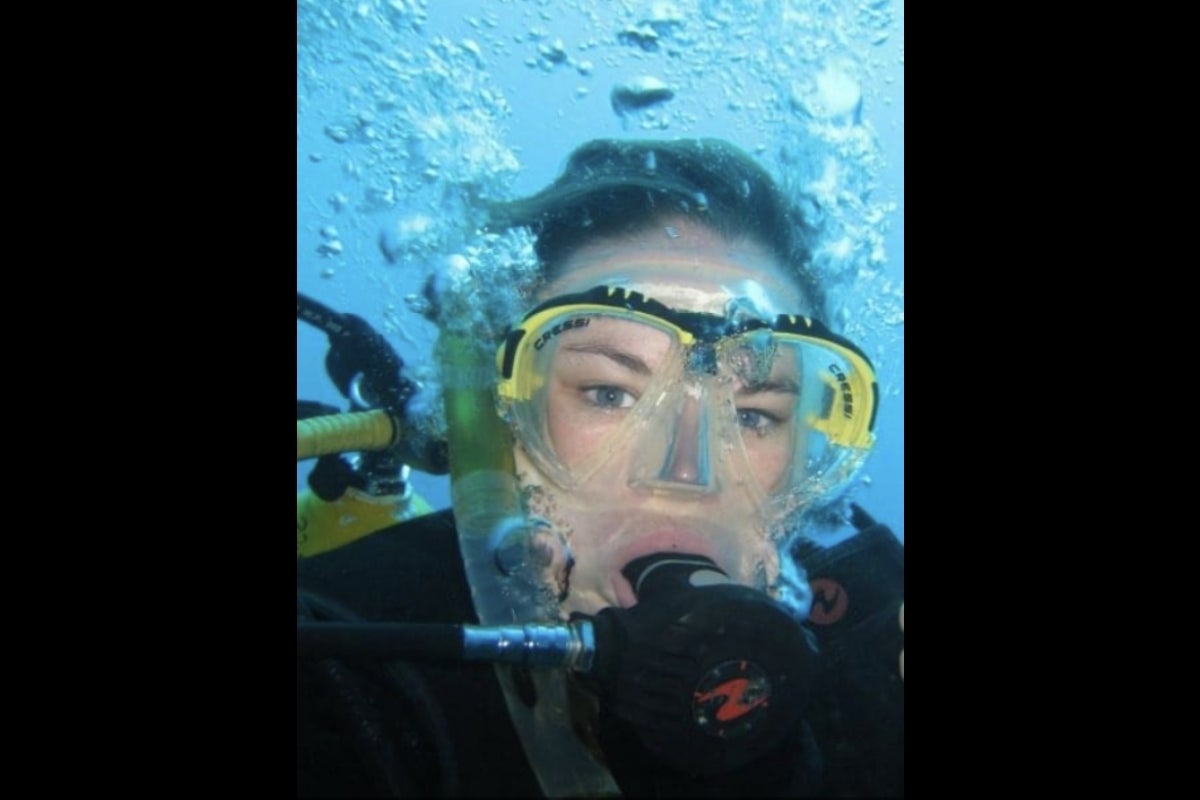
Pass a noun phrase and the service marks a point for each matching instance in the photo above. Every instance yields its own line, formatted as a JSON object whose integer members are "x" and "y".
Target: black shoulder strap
{"x": 857, "y": 585}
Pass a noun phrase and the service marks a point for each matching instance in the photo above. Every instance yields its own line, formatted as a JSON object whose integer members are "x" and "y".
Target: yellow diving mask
{"x": 692, "y": 403}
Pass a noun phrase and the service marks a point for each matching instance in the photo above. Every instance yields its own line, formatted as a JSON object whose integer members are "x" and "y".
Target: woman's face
{"x": 612, "y": 516}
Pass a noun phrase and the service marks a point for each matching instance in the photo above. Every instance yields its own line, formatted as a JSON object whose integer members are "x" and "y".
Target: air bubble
{"x": 640, "y": 93}
{"x": 554, "y": 53}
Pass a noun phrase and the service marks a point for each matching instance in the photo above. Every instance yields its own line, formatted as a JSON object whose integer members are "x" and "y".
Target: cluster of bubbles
{"x": 422, "y": 124}
{"x": 793, "y": 71}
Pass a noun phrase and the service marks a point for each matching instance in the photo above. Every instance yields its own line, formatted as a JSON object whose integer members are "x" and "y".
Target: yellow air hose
{"x": 342, "y": 433}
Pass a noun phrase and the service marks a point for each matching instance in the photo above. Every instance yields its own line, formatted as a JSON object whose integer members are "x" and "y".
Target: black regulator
{"x": 711, "y": 675}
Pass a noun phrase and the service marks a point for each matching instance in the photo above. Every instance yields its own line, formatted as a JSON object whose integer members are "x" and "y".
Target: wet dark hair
{"x": 613, "y": 187}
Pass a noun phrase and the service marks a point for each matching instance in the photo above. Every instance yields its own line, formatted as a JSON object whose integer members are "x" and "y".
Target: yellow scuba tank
{"x": 322, "y": 526}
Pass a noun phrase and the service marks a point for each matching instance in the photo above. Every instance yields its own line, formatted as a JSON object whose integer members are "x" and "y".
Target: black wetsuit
{"x": 441, "y": 728}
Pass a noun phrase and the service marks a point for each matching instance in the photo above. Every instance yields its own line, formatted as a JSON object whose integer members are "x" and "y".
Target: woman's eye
{"x": 758, "y": 421}
{"x": 608, "y": 397}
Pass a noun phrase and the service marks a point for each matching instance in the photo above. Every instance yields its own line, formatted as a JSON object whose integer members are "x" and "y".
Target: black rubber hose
{"x": 375, "y": 640}
{"x": 319, "y": 315}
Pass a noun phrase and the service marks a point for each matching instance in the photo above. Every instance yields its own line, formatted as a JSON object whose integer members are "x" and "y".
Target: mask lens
{"x": 578, "y": 376}
{"x": 810, "y": 418}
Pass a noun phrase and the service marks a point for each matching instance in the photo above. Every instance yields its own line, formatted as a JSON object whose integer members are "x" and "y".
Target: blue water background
{"x": 404, "y": 108}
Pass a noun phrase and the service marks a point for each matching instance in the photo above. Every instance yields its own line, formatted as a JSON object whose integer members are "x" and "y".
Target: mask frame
{"x": 849, "y": 396}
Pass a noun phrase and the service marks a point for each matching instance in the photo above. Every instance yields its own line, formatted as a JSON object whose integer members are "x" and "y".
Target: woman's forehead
{"x": 684, "y": 265}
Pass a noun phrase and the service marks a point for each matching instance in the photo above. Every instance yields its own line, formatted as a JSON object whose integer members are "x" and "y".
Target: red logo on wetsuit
{"x": 830, "y": 601}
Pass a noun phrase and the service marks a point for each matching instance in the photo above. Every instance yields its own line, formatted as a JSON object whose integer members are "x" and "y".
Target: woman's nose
{"x": 687, "y": 458}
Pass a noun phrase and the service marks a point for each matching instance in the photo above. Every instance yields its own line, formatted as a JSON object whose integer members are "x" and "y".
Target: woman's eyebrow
{"x": 782, "y": 385}
{"x": 627, "y": 360}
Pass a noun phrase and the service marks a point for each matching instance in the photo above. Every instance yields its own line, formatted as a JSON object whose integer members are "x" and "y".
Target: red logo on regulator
{"x": 726, "y": 695}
